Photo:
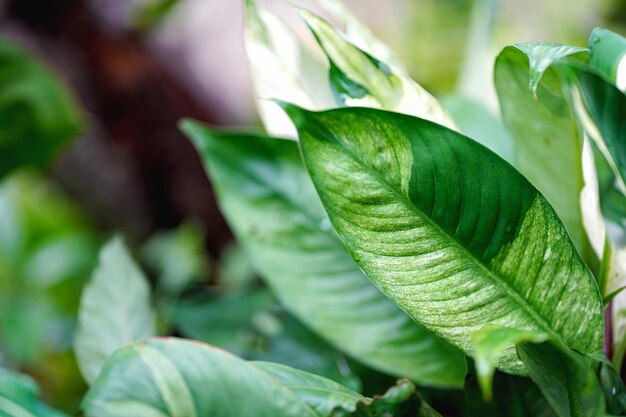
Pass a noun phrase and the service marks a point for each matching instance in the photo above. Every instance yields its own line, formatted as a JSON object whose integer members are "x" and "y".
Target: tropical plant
{"x": 393, "y": 242}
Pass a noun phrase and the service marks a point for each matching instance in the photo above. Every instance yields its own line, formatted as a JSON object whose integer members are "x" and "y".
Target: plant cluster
{"x": 485, "y": 275}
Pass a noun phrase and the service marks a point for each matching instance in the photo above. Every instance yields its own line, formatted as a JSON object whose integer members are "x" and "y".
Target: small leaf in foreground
{"x": 490, "y": 343}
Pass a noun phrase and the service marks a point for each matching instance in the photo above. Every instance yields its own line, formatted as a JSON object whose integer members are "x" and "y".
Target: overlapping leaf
{"x": 359, "y": 79}
{"x": 170, "y": 377}
{"x": 540, "y": 118}
{"x": 281, "y": 67}
{"x": 265, "y": 193}
{"x": 447, "y": 230}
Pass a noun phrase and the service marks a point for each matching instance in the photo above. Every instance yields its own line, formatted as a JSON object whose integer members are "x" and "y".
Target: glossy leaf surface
{"x": 447, "y": 230}
{"x": 115, "y": 309}
{"x": 270, "y": 202}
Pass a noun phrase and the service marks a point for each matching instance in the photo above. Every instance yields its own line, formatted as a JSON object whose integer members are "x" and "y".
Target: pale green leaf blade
{"x": 548, "y": 144}
{"x": 115, "y": 309}
{"x": 359, "y": 79}
{"x": 38, "y": 115}
{"x": 19, "y": 397}
{"x": 490, "y": 343}
{"x": 270, "y": 202}
{"x": 446, "y": 229}
{"x": 172, "y": 377}
{"x": 361, "y": 36}
{"x": 565, "y": 378}
{"x": 281, "y": 67}
{"x": 608, "y": 55}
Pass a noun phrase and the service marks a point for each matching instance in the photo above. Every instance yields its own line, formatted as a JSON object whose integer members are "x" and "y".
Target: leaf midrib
{"x": 512, "y": 292}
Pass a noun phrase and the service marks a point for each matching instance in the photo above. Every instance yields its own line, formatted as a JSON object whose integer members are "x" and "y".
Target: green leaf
{"x": 115, "y": 309}
{"x": 177, "y": 256}
{"x": 513, "y": 397}
{"x": 269, "y": 201}
{"x": 19, "y": 397}
{"x": 401, "y": 400}
{"x": 565, "y": 378}
{"x": 359, "y": 79}
{"x": 447, "y": 230}
{"x": 490, "y": 343}
{"x": 283, "y": 68}
{"x": 170, "y": 377}
{"x": 608, "y": 55}
{"x": 38, "y": 116}
{"x": 540, "y": 118}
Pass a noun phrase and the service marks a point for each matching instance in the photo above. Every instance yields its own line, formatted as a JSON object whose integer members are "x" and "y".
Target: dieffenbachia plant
{"x": 407, "y": 245}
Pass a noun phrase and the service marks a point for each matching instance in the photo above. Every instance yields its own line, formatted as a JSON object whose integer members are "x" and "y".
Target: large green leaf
{"x": 548, "y": 141}
{"x": 115, "y": 309}
{"x": 170, "y": 377}
{"x": 38, "y": 116}
{"x": 359, "y": 79}
{"x": 447, "y": 230}
{"x": 19, "y": 397}
{"x": 268, "y": 198}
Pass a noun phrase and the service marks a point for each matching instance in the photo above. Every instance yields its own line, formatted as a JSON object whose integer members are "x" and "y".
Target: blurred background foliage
{"x": 128, "y": 71}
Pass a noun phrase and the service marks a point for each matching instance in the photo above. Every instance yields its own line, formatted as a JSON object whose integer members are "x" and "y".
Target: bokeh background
{"x": 137, "y": 67}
